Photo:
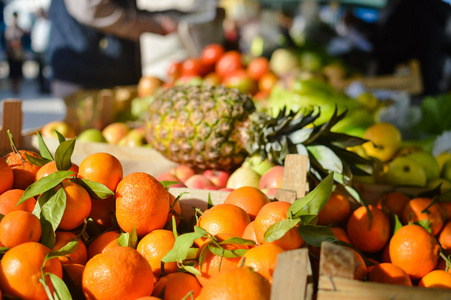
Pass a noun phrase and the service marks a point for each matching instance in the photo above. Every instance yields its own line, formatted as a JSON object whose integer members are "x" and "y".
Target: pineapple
{"x": 214, "y": 127}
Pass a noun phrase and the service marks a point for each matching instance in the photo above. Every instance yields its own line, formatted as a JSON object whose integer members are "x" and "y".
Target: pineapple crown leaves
{"x": 294, "y": 132}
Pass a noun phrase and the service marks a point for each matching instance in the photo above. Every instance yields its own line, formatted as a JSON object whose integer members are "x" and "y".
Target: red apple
{"x": 114, "y": 132}
{"x": 219, "y": 178}
{"x": 213, "y": 188}
{"x": 183, "y": 172}
{"x": 198, "y": 181}
{"x": 168, "y": 176}
{"x": 241, "y": 80}
{"x": 273, "y": 178}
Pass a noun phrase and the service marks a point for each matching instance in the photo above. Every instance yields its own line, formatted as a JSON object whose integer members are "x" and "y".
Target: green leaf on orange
{"x": 181, "y": 247}
{"x": 53, "y": 209}
{"x": 278, "y": 230}
{"x": 96, "y": 190}
{"x": 314, "y": 201}
{"x": 123, "y": 239}
{"x": 237, "y": 240}
{"x": 63, "y": 155}
{"x": 44, "y": 184}
{"x": 36, "y": 161}
{"x": 59, "y": 287}
{"x": 315, "y": 234}
{"x": 43, "y": 149}
{"x": 69, "y": 248}
{"x": 60, "y": 137}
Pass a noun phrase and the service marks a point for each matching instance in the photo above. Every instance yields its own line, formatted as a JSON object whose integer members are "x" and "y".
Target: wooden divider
{"x": 12, "y": 118}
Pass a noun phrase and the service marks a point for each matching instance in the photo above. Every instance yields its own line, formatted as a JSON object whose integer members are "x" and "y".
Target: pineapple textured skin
{"x": 201, "y": 126}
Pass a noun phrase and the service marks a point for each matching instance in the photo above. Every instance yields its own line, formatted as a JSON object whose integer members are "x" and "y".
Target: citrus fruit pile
{"x": 71, "y": 231}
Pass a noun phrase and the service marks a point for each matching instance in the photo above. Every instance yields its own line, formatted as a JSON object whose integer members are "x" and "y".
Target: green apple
{"x": 446, "y": 170}
{"x": 446, "y": 184}
{"x": 91, "y": 135}
{"x": 441, "y": 158}
{"x": 135, "y": 138}
{"x": 428, "y": 162}
{"x": 243, "y": 176}
{"x": 405, "y": 171}
{"x": 256, "y": 163}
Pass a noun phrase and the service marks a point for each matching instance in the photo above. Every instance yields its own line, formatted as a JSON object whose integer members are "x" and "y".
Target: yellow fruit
{"x": 385, "y": 141}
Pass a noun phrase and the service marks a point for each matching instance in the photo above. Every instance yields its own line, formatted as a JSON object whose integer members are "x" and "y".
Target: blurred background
{"x": 353, "y": 38}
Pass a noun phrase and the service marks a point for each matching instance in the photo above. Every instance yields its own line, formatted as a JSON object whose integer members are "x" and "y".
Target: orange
{"x": 446, "y": 207}
{"x": 262, "y": 259}
{"x": 79, "y": 256}
{"x": 340, "y": 234}
{"x": 118, "y": 273}
{"x": 237, "y": 284}
{"x": 103, "y": 168}
{"x": 75, "y": 272}
{"x": 103, "y": 242}
{"x": 389, "y": 273}
{"x": 148, "y": 298}
{"x": 393, "y": 202}
{"x": 177, "y": 285}
{"x": 444, "y": 237}
{"x": 267, "y": 82}
{"x": 249, "y": 232}
{"x": 438, "y": 279}
{"x": 22, "y": 279}
{"x": 102, "y": 212}
{"x": 141, "y": 202}
{"x": 414, "y": 250}
{"x": 224, "y": 218}
{"x": 365, "y": 235}
{"x": 19, "y": 227}
{"x": 413, "y": 212}
{"x": 175, "y": 210}
{"x": 154, "y": 246}
{"x": 50, "y": 168}
{"x": 249, "y": 198}
{"x": 212, "y": 263}
{"x": 360, "y": 269}
{"x": 336, "y": 210}
{"x": 9, "y": 200}
{"x": 384, "y": 141}
{"x": 270, "y": 214}
{"x": 78, "y": 206}
{"x": 7, "y": 176}
{"x": 24, "y": 171}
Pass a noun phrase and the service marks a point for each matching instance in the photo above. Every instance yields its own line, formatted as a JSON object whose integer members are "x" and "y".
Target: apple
{"x": 446, "y": 184}
{"x": 283, "y": 61}
{"x": 243, "y": 176}
{"x": 428, "y": 162}
{"x": 225, "y": 190}
{"x": 168, "y": 176}
{"x": 446, "y": 170}
{"x": 405, "y": 171}
{"x": 136, "y": 137}
{"x": 241, "y": 80}
{"x": 114, "y": 132}
{"x": 219, "y": 178}
{"x": 148, "y": 85}
{"x": 441, "y": 158}
{"x": 198, "y": 181}
{"x": 48, "y": 130}
{"x": 183, "y": 172}
{"x": 256, "y": 163}
{"x": 91, "y": 135}
{"x": 272, "y": 179}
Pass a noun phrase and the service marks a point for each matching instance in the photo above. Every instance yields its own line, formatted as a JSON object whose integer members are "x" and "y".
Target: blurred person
{"x": 413, "y": 29}
{"x": 14, "y": 52}
{"x": 39, "y": 41}
{"x": 94, "y": 44}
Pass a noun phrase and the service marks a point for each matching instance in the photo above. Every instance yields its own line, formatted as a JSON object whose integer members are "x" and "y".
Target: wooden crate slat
{"x": 12, "y": 118}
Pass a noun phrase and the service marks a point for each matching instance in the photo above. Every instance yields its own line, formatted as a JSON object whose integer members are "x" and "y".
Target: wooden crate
{"x": 408, "y": 79}
{"x": 336, "y": 281}
{"x": 292, "y": 278}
